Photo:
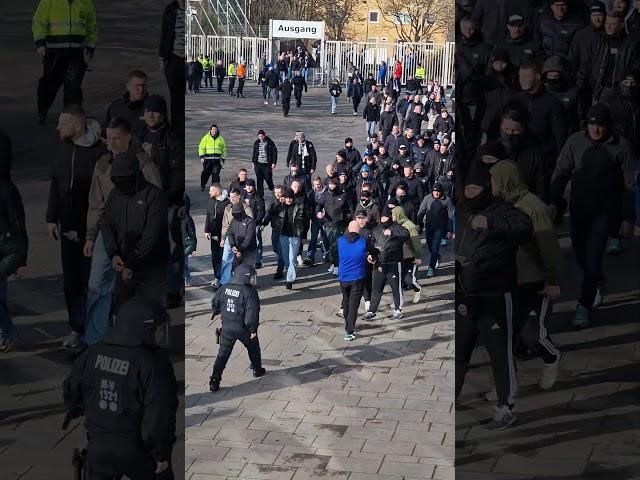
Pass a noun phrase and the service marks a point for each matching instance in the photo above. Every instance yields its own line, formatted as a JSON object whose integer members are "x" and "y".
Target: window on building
{"x": 374, "y": 17}
{"x": 402, "y": 18}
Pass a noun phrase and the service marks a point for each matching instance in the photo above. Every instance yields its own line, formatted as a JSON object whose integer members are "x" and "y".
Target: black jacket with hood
{"x": 237, "y": 302}
{"x": 167, "y": 152}
{"x": 14, "y": 242}
{"x": 486, "y": 258}
{"x": 132, "y": 111}
{"x": 125, "y": 387}
{"x": 71, "y": 174}
{"x": 135, "y": 227}
{"x": 215, "y": 213}
{"x": 272, "y": 151}
{"x": 242, "y": 234}
{"x": 389, "y": 247}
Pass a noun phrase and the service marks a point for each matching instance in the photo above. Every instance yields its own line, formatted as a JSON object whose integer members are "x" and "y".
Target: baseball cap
{"x": 598, "y": 7}
{"x": 361, "y": 214}
{"x": 288, "y": 193}
{"x": 515, "y": 19}
{"x": 437, "y": 187}
{"x": 250, "y": 182}
{"x": 599, "y": 114}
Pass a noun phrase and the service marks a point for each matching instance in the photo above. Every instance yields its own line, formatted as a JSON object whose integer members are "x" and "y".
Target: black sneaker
{"x": 214, "y": 386}
{"x": 172, "y": 301}
{"x": 202, "y": 189}
{"x": 258, "y": 266}
{"x": 308, "y": 262}
{"x": 259, "y": 372}
{"x": 289, "y": 285}
{"x": 278, "y": 276}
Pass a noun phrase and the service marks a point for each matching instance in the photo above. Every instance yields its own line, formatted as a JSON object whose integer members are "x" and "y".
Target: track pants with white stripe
{"x": 386, "y": 273}
{"x": 409, "y": 272}
{"x": 488, "y": 318}
{"x": 531, "y": 314}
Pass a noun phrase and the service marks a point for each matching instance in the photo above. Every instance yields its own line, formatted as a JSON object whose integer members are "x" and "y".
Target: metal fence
{"x": 336, "y": 57}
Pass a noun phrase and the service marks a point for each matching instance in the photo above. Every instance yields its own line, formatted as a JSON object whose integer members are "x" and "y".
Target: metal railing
{"x": 336, "y": 58}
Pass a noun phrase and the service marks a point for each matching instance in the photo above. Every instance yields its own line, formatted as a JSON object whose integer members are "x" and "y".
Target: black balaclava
{"x": 386, "y": 212}
{"x": 479, "y": 175}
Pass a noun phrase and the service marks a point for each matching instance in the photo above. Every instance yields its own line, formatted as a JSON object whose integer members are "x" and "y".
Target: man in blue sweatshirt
{"x": 352, "y": 254}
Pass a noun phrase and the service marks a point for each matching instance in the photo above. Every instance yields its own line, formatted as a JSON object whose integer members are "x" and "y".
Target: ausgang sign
{"x": 296, "y": 29}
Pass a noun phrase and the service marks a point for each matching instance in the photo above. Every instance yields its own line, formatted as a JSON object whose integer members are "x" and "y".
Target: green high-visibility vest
{"x": 420, "y": 73}
{"x": 64, "y": 24}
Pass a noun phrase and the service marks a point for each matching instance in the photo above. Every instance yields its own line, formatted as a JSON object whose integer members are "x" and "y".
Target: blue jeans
{"x": 316, "y": 228}
{"x": 334, "y": 104}
{"x": 289, "y": 247}
{"x": 187, "y": 273}
{"x": 7, "y": 328}
{"x": 102, "y": 280}
{"x": 371, "y": 128}
{"x": 305, "y": 73}
{"x": 434, "y": 237}
{"x": 227, "y": 263}
{"x": 275, "y": 243}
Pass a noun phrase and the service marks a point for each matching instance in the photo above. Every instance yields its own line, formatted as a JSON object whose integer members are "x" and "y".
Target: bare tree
{"x": 337, "y": 14}
{"x": 419, "y": 22}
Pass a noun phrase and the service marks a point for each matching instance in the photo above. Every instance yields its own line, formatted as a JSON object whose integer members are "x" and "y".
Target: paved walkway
{"x": 32, "y": 444}
{"x": 588, "y": 425}
{"x": 379, "y": 407}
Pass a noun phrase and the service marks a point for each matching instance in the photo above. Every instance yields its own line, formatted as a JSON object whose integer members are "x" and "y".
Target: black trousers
{"x": 150, "y": 284}
{"x": 489, "y": 318}
{"x": 228, "y": 337}
{"x": 264, "y": 172}
{"x": 232, "y": 82}
{"x": 75, "y": 271}
{"x": 532, "y": 329}
{"x": 298, "y": 95}
{"x": 62, "y": 67}
{"x": 240, "y": 86}
{"x": 208, "y": 78}
{"x": 368, "y": 278}
{"x": 108, "y": 459}
{"x": 216, "y": 258}
{"x": 219, "y": 79}
{"x": 210, "y": 169}
{"x": 286, "y": 105}
{"x": 409, "y": 271}
{"x": 589, "y": 236}
{"x": 351, "y": 296}
{"x": 391, "y": 273}
{"x": 174, "y": 73}
{"x": 356, "y": 103}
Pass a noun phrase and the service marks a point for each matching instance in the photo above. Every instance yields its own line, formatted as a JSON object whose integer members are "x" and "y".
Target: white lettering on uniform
{"x": 112, "y": 365}
{"x": 232, "y": 293}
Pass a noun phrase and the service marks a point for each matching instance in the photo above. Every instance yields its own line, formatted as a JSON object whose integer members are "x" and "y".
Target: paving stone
{"x": 359, "y": 465}
{"x": 413, "y": 470}
{"x": 338, "y": 443}
{"x": 267, "y": 472}
{"x": 388, "y": 447}
{"x": 302, "y": 460}
{"x": 293, "y": 439}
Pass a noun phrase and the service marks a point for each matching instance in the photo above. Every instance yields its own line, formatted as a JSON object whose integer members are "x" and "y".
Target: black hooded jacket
{"x": 14, "y": 242}
{"x": 135, "y": 227}
{"x": 486, "y": 258}
{"x": 132, "y": 111}
{"x": 238, "y": 302}
{"x": 389, "y": 247}
{"x": 242, "y": 234}
{"x": 124, "y": 387}
{"x": 167, "y": 152}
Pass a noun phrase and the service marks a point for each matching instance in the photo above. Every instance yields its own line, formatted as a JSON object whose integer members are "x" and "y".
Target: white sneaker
{"x": 597, "y": 300}
{"x": 397, "y": 314}
{"x": 503, "y": 418}
{"x": 367, "y": 304}
{"x": 335, "y": 271}
{"x": 330, "y": 269}
{"x": 266, "y": 103}
{"x": 275, "y": 104}
{"x": 549, "y": 374}
{"x": 72, "y": 341}
{"x": 416, "y": 296}
{"x": 340, "y": 313}
{"x": 300, "y": 260}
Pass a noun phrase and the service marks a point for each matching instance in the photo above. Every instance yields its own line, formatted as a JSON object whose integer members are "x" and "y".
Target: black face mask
{"x": 511, "y": 143}
{"x": 480, "y": 201}
{"x": 386, "y": 224}
{"x": 237, "y": 216}
{"x": 125, "y": 185}
{"x": 555, "y": 84}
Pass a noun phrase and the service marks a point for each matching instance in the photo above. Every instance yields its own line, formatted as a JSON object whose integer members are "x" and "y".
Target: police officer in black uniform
{"x": 127, "y": 391}
{"x": 239, "y": 307}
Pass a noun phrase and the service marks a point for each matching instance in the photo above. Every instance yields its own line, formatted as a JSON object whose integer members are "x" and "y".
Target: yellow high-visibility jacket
{"x": 212, "y": 147}
{"x": 232, "y": 70}
{"x": 420, "y": 73}
{"x": 64, "y": 24}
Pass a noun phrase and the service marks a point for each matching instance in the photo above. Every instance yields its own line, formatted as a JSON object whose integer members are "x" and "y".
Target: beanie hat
{"x": 437, "y": 187}
{"x": 155, "y": 103}
{"x": 250, "y": 182}
{"x": 237, "y": 208}
{"x": 500, "y": 55}
{"x": 288, "y": 193}
{"x": 479, "y": 175}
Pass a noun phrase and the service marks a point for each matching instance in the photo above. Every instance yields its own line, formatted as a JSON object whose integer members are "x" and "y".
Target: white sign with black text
{"x": 296, "y": 29}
